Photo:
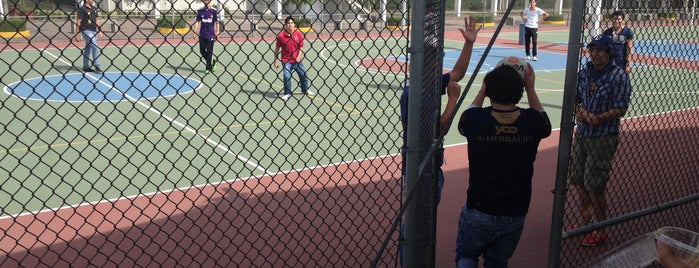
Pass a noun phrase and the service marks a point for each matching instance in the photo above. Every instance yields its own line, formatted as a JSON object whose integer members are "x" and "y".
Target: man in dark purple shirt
{"x": 206, "y": 28}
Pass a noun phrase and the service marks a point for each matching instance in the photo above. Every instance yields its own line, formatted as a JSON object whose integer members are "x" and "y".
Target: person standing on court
{"x": 290, "y": 43}
{"x": 88, "y": 27}
{"x": 503, "y": 141}
{"x": 602, "y": 97}
{"x": 206, "y": 29}
{"x": 623, "y": 40}
{"x": 532, "y": 16}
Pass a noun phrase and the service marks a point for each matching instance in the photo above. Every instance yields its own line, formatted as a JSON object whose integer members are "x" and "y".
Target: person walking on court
{"x": 88, "y": 27}
{"x": 206, "y": 29}
{"x": 532, "y": 16}
{"x": 503, "y": 141}
{"x": 623, "y": 41}
{"x": 290, "y": 43}
{"x": 602, "y": 97}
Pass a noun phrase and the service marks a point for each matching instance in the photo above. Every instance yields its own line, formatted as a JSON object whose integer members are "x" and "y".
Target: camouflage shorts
{"x": 591, "y": 161}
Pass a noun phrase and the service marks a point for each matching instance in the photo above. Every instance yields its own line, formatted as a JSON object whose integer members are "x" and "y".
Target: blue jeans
{"x": 493, "y": 237}
{"x": 91, "y": 48}
{"x": 298, "y": 67}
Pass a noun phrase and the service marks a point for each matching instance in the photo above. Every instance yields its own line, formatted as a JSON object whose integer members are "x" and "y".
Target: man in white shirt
{"x": 532, "y": 16}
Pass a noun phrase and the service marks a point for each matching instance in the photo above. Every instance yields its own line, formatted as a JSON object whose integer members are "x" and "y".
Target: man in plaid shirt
{"x": 602, "y": 98}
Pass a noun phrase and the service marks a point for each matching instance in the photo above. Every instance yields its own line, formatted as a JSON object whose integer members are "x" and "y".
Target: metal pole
{"x": 457, "y": 7}
{"x": 156, "y": 11}
{"x": 566, "y": 133}
{"x": 404, "y": 11}
{"x": 411, "y": 247}
{"x": 694, "y": 9}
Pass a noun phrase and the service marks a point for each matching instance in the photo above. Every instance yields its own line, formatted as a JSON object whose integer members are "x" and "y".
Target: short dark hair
{"x": 504, "y": 85}
{"x": 619, "y": 13}
{"x": 289, "y": 18}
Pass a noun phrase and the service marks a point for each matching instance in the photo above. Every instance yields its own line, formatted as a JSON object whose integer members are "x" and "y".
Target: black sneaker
{"x": 88, "y": 70}
{"x": 98, "y": 70}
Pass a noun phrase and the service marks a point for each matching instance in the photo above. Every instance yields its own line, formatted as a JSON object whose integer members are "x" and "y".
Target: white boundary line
{"x": 7, "y": 91}
{"x": 216, "y": 144}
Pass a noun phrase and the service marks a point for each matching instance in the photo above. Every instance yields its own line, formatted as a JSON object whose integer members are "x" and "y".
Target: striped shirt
{"x": 599, "y": 91}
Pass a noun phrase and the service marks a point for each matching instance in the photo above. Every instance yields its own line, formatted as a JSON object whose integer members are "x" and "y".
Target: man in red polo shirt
{"x": 290, "y": 42}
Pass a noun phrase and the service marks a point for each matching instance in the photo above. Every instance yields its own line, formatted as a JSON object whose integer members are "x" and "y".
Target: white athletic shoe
{"x": 526, "y": 58}
{"x": 309, "y": 93}
{"x": 535, "y": 59}
{"x": 285, "y": 97}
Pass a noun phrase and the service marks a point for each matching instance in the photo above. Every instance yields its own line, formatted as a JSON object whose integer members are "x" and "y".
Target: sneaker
{"x": 526, "y": 58}
{"x": 88, "y": 70}
{"x": 309, "y": 93}
{"x": 285, "y": 97}
{"x": 594, "y": 239}
{"x": 535, "y": 59}
{"x": 213, "y": 64}
{"x": 98, "y": 70}
{"x": 207, "y": 72}
{"x": 571, "y": 227}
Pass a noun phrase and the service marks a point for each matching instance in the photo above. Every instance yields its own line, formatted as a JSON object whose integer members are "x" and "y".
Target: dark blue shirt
{"x": 404, "y": 110}
{"x": 620, "y": 40}
{"x": 88, "y": 18}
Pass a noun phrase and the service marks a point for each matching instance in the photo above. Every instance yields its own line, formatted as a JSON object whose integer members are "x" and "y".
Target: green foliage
{"x": 554, "y": 17}
{"x": 667, "y": 15}
{"x": 470, "y": 5}
{"x": 49, "y": 12}
{"x": 24, "y": 6}
{"x": 299, "y": 2}
{"x": 395, "y": 21}
{"x": 303, "y": 22}
{"x": 13, "y": 25}
{"x": 483, "y": 18}
{"x": 167, "y": 22}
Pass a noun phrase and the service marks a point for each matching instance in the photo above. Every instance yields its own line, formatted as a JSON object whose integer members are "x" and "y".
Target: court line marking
{"x": 232, "y": 126}
{"x": 216, "y": 144}
{"x": 7, "y": 91}
{"x": 183, "y": 189}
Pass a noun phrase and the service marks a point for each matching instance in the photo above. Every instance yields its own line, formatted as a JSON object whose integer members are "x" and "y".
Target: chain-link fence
{"x": 653, "y": 178}
{"x": 154, "y": 162}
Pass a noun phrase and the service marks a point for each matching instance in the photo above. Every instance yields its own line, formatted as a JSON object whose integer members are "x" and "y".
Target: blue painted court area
{"x": 547, "y": 60}
{"x": 672, "y": 49}
{"x": 109, "y": 86}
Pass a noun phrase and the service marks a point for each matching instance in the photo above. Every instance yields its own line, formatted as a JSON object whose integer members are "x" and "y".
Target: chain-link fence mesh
{"x": 156, "y": 163}
{"x": 418, "y": 239}
{"x": 653, "y": 178}
{"x": 89, "y": 163}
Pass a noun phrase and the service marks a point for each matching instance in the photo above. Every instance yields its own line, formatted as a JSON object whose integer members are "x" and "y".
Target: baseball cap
{"x": 601, "y": 41}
